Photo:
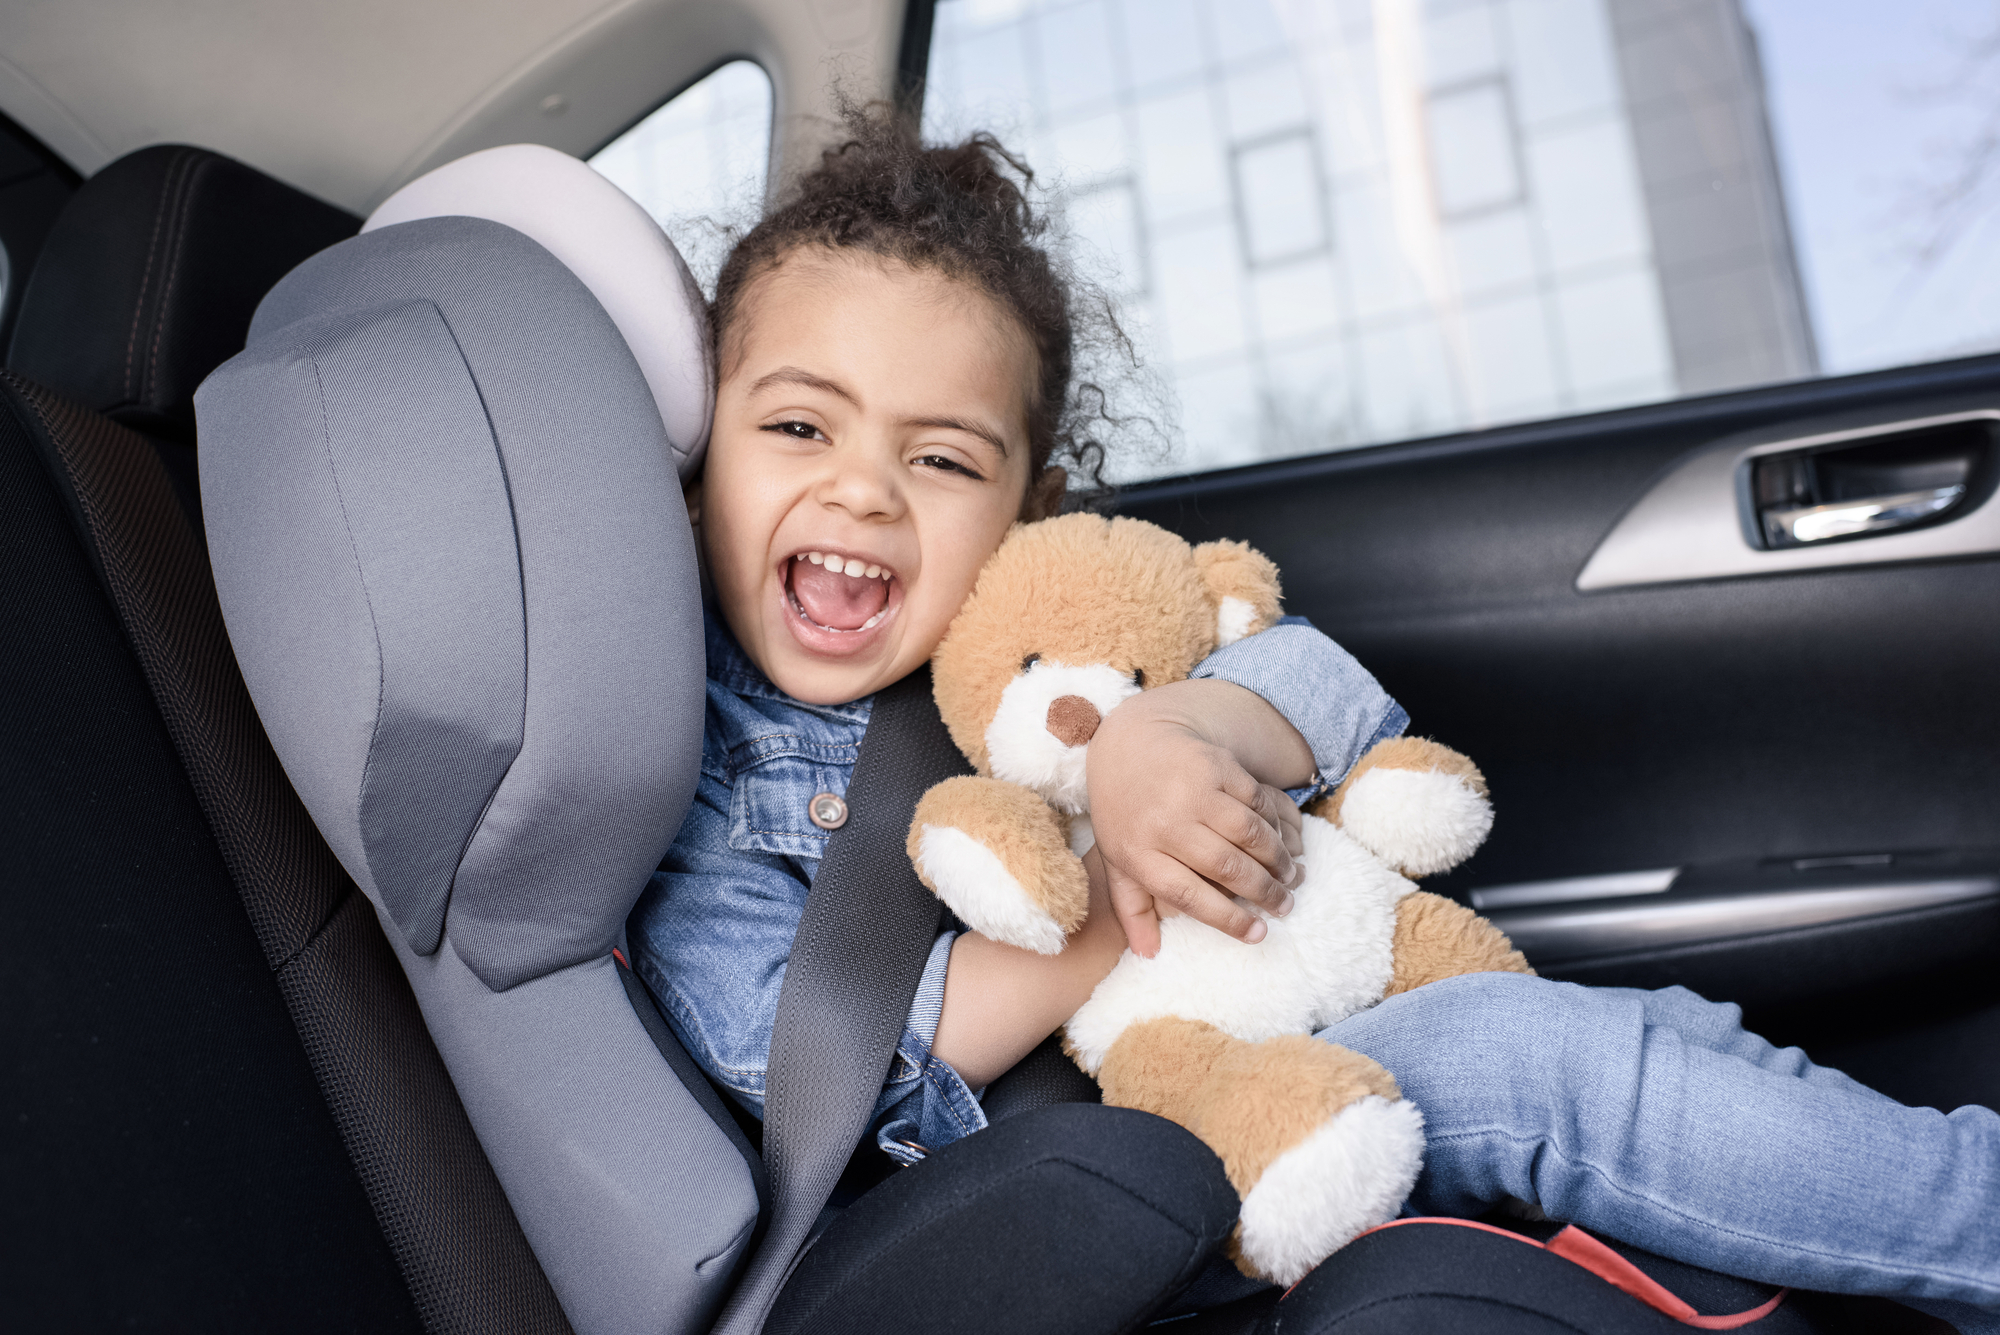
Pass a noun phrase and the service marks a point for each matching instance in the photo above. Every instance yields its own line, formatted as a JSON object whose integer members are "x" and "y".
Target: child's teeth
{"x": 852, "y": 566}
{"x": 872, "y": 622}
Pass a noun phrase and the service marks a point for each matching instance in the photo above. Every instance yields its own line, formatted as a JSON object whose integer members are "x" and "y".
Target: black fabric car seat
{"x": 171, "y": 1062}
{"x": 148, "y": 278}
{"x": 146, "y": 283}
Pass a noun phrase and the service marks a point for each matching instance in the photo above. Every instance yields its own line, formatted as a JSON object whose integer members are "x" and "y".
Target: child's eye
{"x": 796, "y": 430}
{"x": 944, "y": 463}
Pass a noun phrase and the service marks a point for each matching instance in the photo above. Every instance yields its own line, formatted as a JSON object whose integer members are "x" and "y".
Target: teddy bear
{"x": 1070, "y": 617}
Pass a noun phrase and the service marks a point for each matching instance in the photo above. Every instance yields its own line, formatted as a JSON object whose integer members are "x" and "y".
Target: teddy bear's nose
{"x": 1073, "y": 719}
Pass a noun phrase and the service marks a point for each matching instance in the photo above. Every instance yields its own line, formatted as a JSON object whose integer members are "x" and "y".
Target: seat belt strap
{"x": 867, "y": 930}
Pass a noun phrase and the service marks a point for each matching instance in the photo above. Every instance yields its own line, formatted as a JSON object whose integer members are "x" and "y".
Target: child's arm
{"x": 1174, "y": 774}
{"x": 1001, "y": 1001}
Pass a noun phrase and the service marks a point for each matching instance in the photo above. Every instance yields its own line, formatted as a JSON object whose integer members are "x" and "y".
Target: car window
{"x": 698, "y": 163}
{"x": 1334, "y": 223}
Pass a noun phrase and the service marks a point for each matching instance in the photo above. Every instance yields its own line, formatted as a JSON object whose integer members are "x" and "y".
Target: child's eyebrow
{"x": 985, "y": 433}
{"x": 798, "y": 375}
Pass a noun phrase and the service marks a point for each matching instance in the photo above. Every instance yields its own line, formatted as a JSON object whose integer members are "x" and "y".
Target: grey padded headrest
{"x": 603, "y": 237}
{"x": 455, "y": 564}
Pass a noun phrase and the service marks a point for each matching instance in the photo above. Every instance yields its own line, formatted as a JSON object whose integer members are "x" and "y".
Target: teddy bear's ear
{"x": 1243, "y": 586}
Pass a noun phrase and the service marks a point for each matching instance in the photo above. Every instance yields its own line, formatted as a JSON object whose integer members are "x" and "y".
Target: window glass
{"x": 698, "y": 163}
{"x": 1887, "y": 120}
{"x": 1338, "y": 222}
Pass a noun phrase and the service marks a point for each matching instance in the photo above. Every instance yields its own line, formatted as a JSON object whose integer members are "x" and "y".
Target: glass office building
{"x": 1334, "y": 222}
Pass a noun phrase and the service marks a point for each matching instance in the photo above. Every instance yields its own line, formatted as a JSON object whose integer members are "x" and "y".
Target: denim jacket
{"x": 712, "y": 932}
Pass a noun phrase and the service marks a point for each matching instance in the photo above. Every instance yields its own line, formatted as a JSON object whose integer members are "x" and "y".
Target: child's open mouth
{"x": 838, "y": 599}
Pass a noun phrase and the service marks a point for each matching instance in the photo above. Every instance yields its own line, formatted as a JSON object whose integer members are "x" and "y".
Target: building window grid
{"x": 1344, "y": 336}
{"x": 1510, "y": 129}
{"x": 1315, "y": 176}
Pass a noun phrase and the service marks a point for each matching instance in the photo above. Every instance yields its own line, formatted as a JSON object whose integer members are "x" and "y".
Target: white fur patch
{"x": 1422, "y": 821}
{"x": 1353, "y": 1173}
{"x": 1328, "y": 958}
{"x": 972, "y": 880}
{"x": 1021, "y": 749}
{"x": 1232, "y": 621}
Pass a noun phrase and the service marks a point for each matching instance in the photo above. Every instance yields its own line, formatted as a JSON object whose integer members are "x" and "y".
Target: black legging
{"x": 1075, "y": 1219}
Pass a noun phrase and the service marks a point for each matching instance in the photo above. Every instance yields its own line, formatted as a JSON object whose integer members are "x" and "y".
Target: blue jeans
{"x": 1653, "y": 1118}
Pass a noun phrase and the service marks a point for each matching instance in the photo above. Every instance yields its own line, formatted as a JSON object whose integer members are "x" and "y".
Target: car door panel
{"x": 1735, "y": 733}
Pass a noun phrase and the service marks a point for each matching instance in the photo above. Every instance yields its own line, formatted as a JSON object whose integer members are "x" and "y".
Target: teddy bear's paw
{"x": 1351, "y": 1174}
{"x": 972, "y": 880}
{"x": 1420, "y": 822}
{"x": 997, "y": 855}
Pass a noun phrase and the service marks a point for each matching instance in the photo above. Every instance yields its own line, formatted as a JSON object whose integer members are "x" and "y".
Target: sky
{"x": 1873, "y": 105}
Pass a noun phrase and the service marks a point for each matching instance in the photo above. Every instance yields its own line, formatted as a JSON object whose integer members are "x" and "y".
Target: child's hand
{"x": 1179, "y": 814}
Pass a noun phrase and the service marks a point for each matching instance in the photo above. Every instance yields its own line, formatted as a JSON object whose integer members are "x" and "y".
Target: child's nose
{"x": 861, "y": 487}
{"x": 1073, "y": 720}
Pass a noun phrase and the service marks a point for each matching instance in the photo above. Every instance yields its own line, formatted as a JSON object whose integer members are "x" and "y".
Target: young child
{"x": 895, "y": 388}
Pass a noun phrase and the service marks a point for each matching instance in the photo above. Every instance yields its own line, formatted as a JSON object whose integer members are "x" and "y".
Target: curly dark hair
{"x": 961, "y": 210}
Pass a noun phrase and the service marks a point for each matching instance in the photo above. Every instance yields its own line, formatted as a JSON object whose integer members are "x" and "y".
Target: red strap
{"x": 1573, "y": 1244}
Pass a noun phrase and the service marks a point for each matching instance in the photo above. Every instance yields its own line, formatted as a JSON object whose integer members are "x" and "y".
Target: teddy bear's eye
{"x": 1030, "y": 661}
{"x": 1139, "y": 678}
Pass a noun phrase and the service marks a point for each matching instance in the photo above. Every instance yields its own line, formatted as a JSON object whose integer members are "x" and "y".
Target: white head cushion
{"x": 603, "y": 237}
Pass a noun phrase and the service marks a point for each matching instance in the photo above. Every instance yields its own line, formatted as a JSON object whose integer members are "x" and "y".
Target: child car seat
{"x": 449, "y": 543}
{"x": 166, "y": 1150}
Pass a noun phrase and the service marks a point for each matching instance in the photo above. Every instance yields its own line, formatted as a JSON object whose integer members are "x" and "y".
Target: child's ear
{"x": 1242, "y": 586}
{"x": 1045, "y": 494}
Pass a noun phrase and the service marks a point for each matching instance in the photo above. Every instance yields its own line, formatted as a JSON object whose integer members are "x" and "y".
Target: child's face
{"x": 868, "y": 414}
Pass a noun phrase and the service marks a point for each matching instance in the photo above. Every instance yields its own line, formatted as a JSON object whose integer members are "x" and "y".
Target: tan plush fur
{"x": 1410, "y": 753}
{"x": 1046, "y": 597}
{"x": 1249, "y": 1102}
{"x": 1018, "y": 827}
{"x": 1068, "y": 618}
{"x": 1438, "y": 938}
{"x": 1238, "y": 570}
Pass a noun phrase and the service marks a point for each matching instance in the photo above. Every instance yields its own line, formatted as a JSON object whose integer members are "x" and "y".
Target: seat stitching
{"x": 177, "y": 247}
{"x": 146, "y": 275}
{"x": 361, "y": 577}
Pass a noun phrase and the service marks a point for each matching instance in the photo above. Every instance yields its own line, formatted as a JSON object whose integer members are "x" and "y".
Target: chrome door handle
{"x": 1705, "y": 517}
{"x": 1845, "y": 519}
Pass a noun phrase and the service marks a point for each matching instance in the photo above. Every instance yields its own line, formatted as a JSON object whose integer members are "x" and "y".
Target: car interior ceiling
{"x": 1793, "y": 772}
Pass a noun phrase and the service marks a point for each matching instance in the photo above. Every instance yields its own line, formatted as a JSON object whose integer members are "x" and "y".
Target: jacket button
{"x": 827, "y": 811}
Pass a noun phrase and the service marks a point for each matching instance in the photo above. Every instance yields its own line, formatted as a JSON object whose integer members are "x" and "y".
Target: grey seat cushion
{"x": 455, "y": 565}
